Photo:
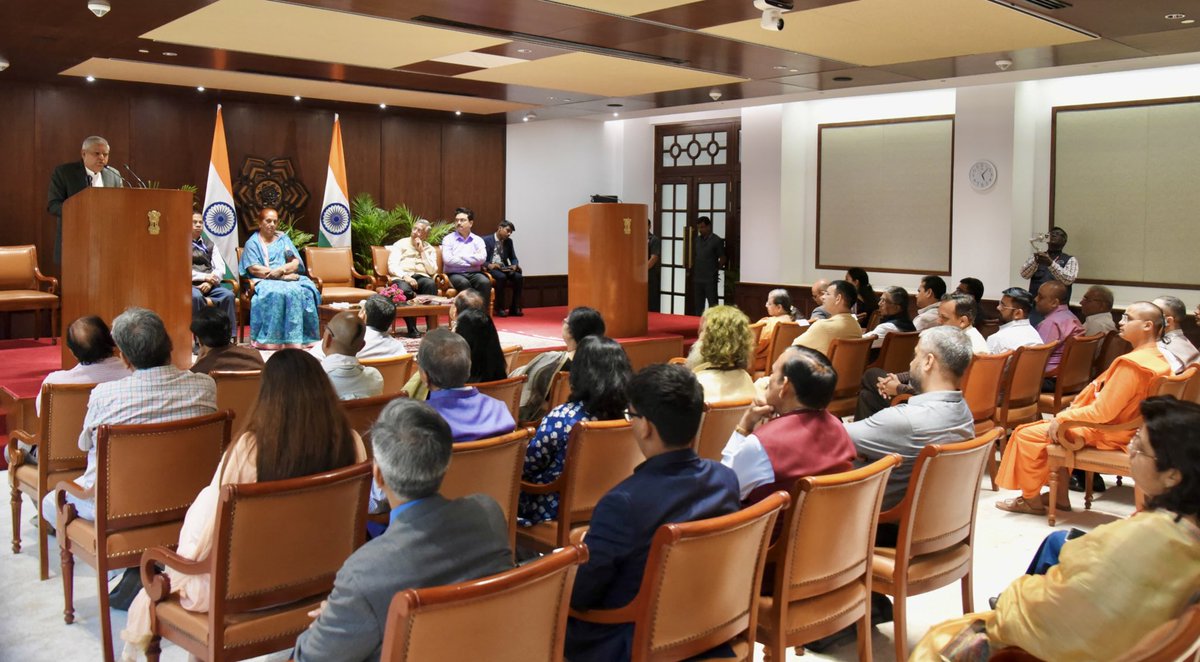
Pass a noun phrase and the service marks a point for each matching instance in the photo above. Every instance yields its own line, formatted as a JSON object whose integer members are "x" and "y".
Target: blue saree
{"x": 283, "y": 313}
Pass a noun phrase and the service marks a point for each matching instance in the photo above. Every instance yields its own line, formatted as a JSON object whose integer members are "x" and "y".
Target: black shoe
{"x": 122, "y": 596}
{"x": 501, "y": 313}
{"x": 516, "y": 312}
{"x": 881, "y": 609}
{"x": 1098, "y": 483}
{"x": 414, "y": 334}
{"x": 992, "y": 602}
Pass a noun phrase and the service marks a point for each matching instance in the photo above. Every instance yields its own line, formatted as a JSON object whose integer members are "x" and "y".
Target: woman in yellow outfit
{"x": 1114, "y": 585}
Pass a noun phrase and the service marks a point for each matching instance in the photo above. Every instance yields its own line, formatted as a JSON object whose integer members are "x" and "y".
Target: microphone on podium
{"x": 135, "y": 175}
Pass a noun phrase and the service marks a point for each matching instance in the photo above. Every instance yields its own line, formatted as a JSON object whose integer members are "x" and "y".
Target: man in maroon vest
{"x": 789, "y": 435}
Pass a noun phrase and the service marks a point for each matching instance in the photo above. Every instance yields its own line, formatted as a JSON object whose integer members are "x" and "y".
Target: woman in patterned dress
{"x": 283, "y": 312}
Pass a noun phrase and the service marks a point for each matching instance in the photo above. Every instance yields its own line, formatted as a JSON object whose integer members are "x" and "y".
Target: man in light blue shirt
{"x": 463, "y": 255}
{"x": 445, "y": 364}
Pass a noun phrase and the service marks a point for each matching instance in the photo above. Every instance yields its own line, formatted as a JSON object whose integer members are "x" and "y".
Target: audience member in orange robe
{"x": 779, "y": 309}
{"x": 1112, "y": 398}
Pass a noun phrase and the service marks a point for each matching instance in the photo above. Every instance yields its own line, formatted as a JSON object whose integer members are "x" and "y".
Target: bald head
{"x": 1142, "y": 323}
{"x": 1050, "y": 295}
{"x": 818, "y": 289}
{"x": 344, "y": 334}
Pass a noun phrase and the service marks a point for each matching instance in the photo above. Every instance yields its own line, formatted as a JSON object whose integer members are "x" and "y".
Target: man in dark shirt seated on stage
{"x": 211, "y": 328}
{"x": 672, "y": 485}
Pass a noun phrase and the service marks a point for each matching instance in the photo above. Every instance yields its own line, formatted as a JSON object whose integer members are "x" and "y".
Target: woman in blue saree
{"x": 283, "y": 312}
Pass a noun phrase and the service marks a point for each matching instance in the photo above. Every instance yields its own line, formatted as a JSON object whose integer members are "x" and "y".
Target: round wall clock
{"x": 982, "y": 175}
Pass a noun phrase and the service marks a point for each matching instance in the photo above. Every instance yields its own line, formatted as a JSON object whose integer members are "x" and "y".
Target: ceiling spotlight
{"x": 1188, "y": 21}
{"x": 170, "y": 53}
{"x": 383, "y": 106}
{"x": 772, "y": 13}
{"x": 1003, "y": 65}
{"x": 199, "y": 88}
{"x": 1174, "y": 17}
{"x": 458, "y": 113}
{"x": 524, "y": 51}
{"x": 99, "y": 7}
{"x": 143, "y": 51}
{"x": 779, "y": 67}
{"x": 715, "y": 95}
{"x": 3, "y": 64}
{"x": 529, "y": 116}
{"x": 297, "y": 97}
{"x": 90, "y": 79}
{"x": 616, "y": 114}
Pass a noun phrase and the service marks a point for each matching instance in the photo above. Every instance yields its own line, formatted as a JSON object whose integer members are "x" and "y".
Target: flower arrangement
{"x": 394, "y": 294}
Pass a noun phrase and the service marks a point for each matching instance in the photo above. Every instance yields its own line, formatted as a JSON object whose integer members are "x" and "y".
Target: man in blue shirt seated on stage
{"x": 445, "y": 364}
{"x": 672, "y": 485}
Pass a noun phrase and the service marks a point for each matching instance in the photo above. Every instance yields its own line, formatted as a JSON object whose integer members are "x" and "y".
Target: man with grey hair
{"x": 936, "y": 414}
{"x": 412, "y": 263}
{"x": 1175, "y": 347}
{"x": 1096, "y": 306}
{"x": 412, "y": 451}
{"x": 445, "y": 363}
{"x": 91, "y": 170}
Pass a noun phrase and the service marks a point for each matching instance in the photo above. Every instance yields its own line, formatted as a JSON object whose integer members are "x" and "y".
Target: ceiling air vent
{"x": 1049, "y": 4}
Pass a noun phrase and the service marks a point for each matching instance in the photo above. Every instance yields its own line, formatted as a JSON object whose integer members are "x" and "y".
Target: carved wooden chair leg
{"x": 43, "y": 551}
{"x": 16, "y": 517}
{"x": 153, "y": 648}
{"x": 68, "y": 577}
{"x": 106, "y": 638}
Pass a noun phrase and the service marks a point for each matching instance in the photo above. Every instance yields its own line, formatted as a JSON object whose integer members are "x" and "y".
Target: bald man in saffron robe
{"x": 1112, "y": 398}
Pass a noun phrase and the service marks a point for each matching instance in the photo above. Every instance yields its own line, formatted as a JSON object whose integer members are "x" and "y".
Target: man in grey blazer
{"x": 430, "y": 541}
{"x": 91, "y": 170}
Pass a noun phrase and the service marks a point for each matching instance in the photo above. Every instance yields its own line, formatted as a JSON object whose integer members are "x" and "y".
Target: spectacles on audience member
{"x": 631, "y": 414}
{"x": 1004, "y": 307}
{"x": 1135, "y": 447}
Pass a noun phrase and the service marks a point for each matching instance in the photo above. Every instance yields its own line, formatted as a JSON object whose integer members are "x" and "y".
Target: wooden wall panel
{"x": 166, "y": 135}
{"x": 411, "y": 167}
{"x": 473, "y": 172}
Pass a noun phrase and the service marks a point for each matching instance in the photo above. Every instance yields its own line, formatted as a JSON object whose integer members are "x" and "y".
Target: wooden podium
{"x": 606, "y": 264}
{"x": 127, "y": 247}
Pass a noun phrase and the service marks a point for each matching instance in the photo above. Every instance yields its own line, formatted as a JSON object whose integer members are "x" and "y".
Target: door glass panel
{"x": 677, "y": 307}
{"x": 667, "y": 226}
{"x": 665, "y": 282}
{"x": 719, "y": 191}
{"x": 680, "y": 276}
{"x": 664, "y": 302}
{"x": 668, "y": 252}
{"x": 680, "y": 224}
{"x": 680, "y": 196}
{"x": 704, "y": 194}
{"x": 668, "y": 194}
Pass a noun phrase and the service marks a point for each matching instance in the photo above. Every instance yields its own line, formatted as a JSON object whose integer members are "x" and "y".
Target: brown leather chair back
{"x": 701, "y": 584}
{"x": 1175, "y": 640}
{"x": 785, "y": 334}
{"x": 825, "y": 546}
{"x": 1023, "y": 384}
{"x": 492, "y": 467}
{"x": 150, "y": 474}
{"x": 1191, "y": 392}
{"x": 560, "y": 389}
{"x": 331, "y": 264}
{"x": 17, "y": 265}
{"x": 237, "y": 391}
{"x": 981, "y": 384}
{"x": 1111, "y": 347}
{"x": 511, "y": 352}
{"x": 507, "y": 391}
{"x": 600, "y": 454}
{"x": 938, "y": 510}
{"x": 897, "y": 351}
{"x": 64, "y": 407}
{"x": 1075, "y": 369}
{"x": 363, "y": 412}
{"x": 379, "y": 264}
{"x": 458, "y": 621}
{"x": 720, "y": 419}
{"x": 396, "y": 371}
{"x": 849, "y": 359}
{"x": 285, "y": 545}
{"x": 988, "y": 326}
{"x": 1175, "y": 385}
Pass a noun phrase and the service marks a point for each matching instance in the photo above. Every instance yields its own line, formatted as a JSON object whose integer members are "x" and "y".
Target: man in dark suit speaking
{"x": 502, "y": 263}
{"x": 70, "y": 178}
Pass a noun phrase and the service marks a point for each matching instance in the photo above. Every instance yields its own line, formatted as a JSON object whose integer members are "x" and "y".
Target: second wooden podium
{"x": 127, "y": 247}
{"x": 606, "y": 264}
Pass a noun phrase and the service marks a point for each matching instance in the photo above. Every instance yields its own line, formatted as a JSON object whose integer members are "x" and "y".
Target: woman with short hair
{"x": 722, "y": 355}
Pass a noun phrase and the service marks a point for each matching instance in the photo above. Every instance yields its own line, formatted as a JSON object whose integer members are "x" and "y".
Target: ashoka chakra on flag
{"x": 220, "y": 219}
{"x": 335, "y": 218}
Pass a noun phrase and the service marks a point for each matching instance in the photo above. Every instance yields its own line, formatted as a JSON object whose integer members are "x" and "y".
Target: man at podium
{"x": 70, "y": 178}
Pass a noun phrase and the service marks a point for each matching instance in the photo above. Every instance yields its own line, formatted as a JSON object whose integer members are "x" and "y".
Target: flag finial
{"x": 335, "y": 117}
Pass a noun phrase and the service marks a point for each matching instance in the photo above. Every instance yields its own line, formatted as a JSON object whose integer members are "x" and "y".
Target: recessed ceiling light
{"x": 199, "y": 88}
{"x": 843, "y": 79}
{"x": 567, "y": 99}
{"x": 458, "y": 113}
{"x": 616, "y": 114}
{"x": 90, "y": 79}
{"x": 297, "y": 97}
{"x": 170, "y": 53}
{"x": 793, "y": 71}
{"x": 529, "y": 116}
{"x": 383, "y": 106}
{"x": 1174, "y": 17}
{"x": 779, "y": 67}
{"x": 524, "y": 51}
{"x": 1188, "y": 21}
{"x": 142, "y": 50}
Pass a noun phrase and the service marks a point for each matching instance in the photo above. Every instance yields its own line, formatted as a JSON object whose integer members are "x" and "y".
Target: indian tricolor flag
{"x": 220, "y": 218}
{"x": 335, "y": 210}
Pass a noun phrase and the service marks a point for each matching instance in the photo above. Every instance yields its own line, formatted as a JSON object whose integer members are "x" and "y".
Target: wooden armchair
{"x": 700, "y": 587}
{"x": 270, "y": 565}
{"x": 560, "y": 389}
{"x": 1177, "y": 640}
{"x": 511, "y": 352}
{"x": 458, "y": 621}
{"x": 1111, "y": 347}
{"x": 897, "y": 351}
{"x": 379, "y": 265}
{"x": 363, "y": 412}
{"x": 333, "y": 269}
{"x": 849, "y": 359}
{"x": 822, "y": 560}
{"x": 1021, "y": 394}
{"x": 720, "y": 419}
{"x": 245, "y": 295}
{"x": 396, "y": 371}
{"x": 237, "y": 391}
{"x": 506, "y": 390}
{"x": 59, "y": 458}
{"x": 21, "y": 288}
{"x": 1069, "y": 451}
{"x": 935, "y": 545}
{"x": 981, "y": 388}
{"x": 600, "y": 454}
{"x": 1073, "y": 373}
{"x": 785, "y": 334}
{"x": 147, "y": 476}
{"x": 492, "y": 467}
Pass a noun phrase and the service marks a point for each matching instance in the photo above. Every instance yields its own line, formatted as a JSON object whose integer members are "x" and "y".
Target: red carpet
{"x": 547, "y": 323}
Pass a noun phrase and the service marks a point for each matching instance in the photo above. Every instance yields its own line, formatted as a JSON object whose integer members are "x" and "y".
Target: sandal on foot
{"x": 1045, "y": 501}
{"x": 1020, "y": 505}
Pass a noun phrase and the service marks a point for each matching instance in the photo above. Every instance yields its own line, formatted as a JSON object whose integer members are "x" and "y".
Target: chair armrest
{"x": 233, "y": 285}
{"x": 900, "y": 397}
{"x": 156, "y": 581}
{"x": 578, "y": 534}
{"x": 317, "y": 281}
{"x": 37, "y": 273}
{"x": 607, "y": 616}
{"x": 358, "y": 276}
{"x": 890, "y": 516}
{"x": 70, "y": 487}
{"x": 247, "y": 289}
{"x": 542, "y": 488}
{"x": 1075, "y": 442}
{"x": 16, "y": 456}
{"x": 442, "y": 281}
